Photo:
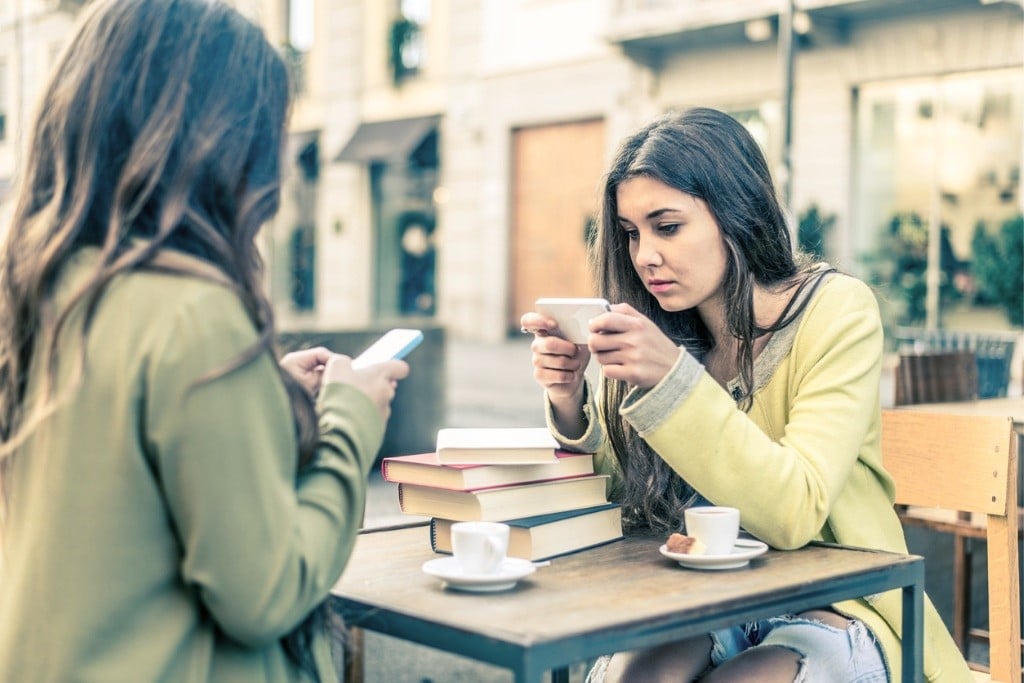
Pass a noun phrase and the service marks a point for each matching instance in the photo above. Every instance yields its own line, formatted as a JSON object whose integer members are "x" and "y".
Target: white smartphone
{"x": 573, "y": 314}
{"x": 393, "y": 345}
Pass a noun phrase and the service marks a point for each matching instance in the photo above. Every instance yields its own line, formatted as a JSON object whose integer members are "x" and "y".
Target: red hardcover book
{"x": 425, "y": 469}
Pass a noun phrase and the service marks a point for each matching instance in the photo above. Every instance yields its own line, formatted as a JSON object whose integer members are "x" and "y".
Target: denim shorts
{"x": 826, "y": 653}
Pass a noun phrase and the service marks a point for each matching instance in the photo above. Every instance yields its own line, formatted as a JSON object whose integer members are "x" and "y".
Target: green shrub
{"x": 997, "y": 266}
{"x": 899, "y": 263}
{"x": 813, "y": 228}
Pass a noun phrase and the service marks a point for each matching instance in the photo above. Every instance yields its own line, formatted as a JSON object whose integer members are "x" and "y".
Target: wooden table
{"x": 620, "y": 596}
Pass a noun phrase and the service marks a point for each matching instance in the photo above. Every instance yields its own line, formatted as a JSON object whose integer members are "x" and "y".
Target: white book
{"x": 495, "y": 445}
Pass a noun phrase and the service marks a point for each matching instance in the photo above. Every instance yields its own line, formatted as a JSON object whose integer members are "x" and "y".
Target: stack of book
{"x": 551, "y": 499}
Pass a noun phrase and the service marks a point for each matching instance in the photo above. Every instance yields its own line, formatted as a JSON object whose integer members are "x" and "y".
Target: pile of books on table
{"x": 551, "y": 499}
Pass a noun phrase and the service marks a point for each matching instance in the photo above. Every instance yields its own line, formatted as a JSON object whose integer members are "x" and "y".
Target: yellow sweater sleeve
{"x": 787, "y": 460}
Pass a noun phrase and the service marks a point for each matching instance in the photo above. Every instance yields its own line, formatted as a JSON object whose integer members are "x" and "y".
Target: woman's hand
{"x": 378, "y": 381}
{"x": 307, "y": 367}
{"x": 631, "y": 348}
{"x": 558, "y": 365}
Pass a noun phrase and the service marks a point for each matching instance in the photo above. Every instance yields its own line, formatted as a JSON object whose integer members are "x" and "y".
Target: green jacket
{"x": 157, "y": 529}
{"x": 810, "y": 441}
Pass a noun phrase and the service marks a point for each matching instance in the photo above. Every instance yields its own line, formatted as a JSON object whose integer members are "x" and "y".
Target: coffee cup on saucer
{"x": 480, "y": 547}
{"x": 715, "y": 526}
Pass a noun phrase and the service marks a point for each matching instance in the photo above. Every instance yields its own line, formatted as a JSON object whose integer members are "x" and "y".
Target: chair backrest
{"x": 993, "y": 352}
{"x": 936, "y": 377}
{"x": 967, "y": 463}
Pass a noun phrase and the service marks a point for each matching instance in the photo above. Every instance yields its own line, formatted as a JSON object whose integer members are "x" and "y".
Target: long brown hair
{"x": 161, "y": 130}
{"x": 709, "y": 155}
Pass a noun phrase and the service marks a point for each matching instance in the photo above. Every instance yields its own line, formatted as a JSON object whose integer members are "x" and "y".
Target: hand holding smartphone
{"x": 573, "y": 314}
{"x": 393, "y": 345}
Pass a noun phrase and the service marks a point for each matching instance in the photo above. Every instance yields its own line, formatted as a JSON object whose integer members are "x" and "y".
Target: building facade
{"x": 445, "y": 155}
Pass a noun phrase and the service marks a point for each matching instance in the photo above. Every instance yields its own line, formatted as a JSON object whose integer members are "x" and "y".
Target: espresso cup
{"x": 715, "y": 527}
{"x": 480, "y": 547}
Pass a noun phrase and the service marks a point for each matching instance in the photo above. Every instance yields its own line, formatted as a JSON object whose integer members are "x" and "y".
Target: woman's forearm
{"x": 567, "y": 413}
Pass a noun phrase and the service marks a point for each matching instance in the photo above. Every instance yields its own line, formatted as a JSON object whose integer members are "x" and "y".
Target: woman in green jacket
{"x": 176, "y": 503}
{"x": 736, "y": 373}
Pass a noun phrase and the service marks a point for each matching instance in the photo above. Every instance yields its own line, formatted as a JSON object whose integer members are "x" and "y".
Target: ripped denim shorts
{"x": 826, "y": 653}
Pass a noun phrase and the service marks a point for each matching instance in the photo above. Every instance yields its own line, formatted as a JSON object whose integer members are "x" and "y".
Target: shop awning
{"x": 387, "y": 140}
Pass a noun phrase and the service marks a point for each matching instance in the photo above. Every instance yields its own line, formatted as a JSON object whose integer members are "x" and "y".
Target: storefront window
{"x": 405, "y": 217}
{"x": 762, "y": 122}
{"x": 936, "y": 157}
{"x": 302, "y": 240}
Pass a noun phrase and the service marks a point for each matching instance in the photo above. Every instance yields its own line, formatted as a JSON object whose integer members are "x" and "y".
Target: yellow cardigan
{"x": 158, "y": 531}
{"x": 810, "y": 442}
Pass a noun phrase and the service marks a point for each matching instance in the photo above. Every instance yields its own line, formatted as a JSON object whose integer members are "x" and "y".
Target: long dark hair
{"x": 161, "y": 130}
{"x": 711, "y": 156}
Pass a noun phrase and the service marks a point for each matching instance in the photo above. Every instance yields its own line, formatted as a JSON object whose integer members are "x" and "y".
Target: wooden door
{"x": 555, "y": 183}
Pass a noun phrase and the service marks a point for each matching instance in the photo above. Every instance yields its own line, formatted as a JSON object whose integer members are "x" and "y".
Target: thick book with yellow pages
{"x": 544, "y": 536}
{"x": 504, "y": 502}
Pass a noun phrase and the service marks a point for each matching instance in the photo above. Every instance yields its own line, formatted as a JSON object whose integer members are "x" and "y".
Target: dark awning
{"x": 387, "y": 140}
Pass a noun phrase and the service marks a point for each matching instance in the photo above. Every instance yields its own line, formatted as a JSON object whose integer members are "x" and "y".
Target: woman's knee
{"x": 767, "y": 663}
{"x": 678, "y": 661}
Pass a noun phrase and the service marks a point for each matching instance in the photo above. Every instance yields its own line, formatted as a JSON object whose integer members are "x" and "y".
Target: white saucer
{"x": 449, "y": 569}
{"x": 745, "y": 550}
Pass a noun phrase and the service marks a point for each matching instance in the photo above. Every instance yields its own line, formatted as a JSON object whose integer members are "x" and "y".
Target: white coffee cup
{"x": 714, "y": 526}
{"x": 480, "y": 547}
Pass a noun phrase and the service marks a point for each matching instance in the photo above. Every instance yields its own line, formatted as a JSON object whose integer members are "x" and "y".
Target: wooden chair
{"x": 967, "y": 464}
{"x": 993, "y": 352}
{"x": 936, "y": 377}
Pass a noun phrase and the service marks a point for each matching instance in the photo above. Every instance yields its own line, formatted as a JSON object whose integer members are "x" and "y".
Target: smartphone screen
{"x": 394, "y": 344}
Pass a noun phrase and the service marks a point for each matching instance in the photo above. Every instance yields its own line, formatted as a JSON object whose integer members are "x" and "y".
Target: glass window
{"x": 408, "y": 39}
{"x": 762, "y": 121}
{"x": 938, "y": 156}
{"x": 300, "y": 41}
{"x": 298, "y": 252}
{"x": 3, "y": 100}
{"x": 404, "y": 197}
{"x": 4, "y": 113}
{"x": 300, "y": 24}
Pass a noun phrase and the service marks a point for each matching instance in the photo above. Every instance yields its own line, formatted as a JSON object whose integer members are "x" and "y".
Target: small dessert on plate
{"x": 685, "y": 545}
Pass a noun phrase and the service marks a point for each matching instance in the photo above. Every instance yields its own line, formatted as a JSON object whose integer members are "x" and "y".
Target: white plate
{"x": 745, "y": 550}
{"x": 449, "y": 569}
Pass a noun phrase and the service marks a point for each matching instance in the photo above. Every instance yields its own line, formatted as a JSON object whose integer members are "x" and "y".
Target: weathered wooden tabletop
{"x": 615, "y": 597}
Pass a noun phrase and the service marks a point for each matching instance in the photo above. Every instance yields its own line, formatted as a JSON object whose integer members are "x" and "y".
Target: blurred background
{"x": 445, "y": 154}
{"x": 444, "y": 159}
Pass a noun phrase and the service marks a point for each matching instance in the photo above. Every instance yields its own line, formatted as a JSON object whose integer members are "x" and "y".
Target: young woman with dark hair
{"x": 176, "y": 502}
{"x": 735, "y": 372}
